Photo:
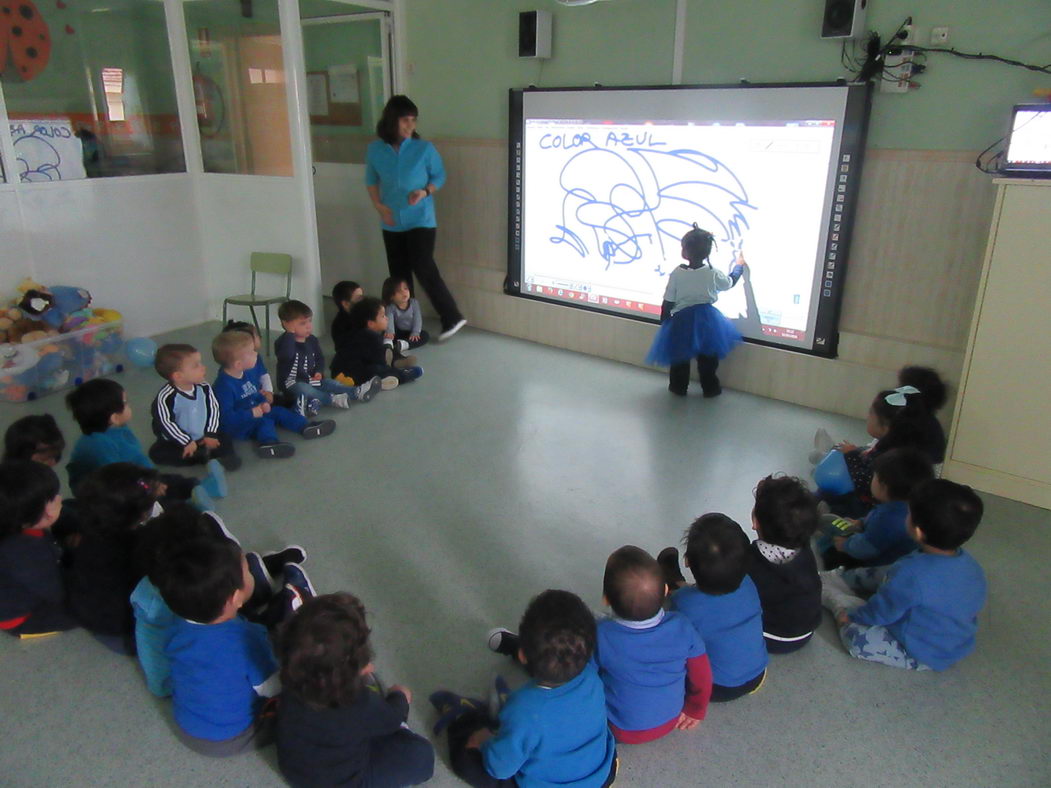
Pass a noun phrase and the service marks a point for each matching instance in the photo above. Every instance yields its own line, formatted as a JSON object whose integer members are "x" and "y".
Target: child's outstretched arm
{"x": 698, "y": 692}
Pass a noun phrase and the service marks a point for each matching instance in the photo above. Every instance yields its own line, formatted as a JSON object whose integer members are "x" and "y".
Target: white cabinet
{"x": 1000, "y": 440}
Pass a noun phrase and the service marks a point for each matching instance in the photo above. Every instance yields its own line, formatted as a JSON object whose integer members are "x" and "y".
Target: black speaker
{"x": 844, "y": 19}
{"x": 534, "y": 34}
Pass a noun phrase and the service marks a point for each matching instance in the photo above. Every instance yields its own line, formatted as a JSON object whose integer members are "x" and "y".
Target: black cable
{"x": 999, "y": 155}
{"x": 981, "y": 56}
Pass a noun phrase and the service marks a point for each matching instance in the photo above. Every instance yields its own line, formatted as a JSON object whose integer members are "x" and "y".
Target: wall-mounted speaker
{"x": 844, "y": 19}
{"x": 534, "y": 34}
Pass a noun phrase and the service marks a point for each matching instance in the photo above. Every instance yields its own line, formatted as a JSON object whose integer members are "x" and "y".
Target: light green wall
{"x": 349, "y": 43}
{"x": 463, "y": 56}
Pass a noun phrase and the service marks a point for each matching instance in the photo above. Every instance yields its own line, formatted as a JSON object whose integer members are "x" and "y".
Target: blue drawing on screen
{"x": 619, "y": 201}
{"x": 38, "y": 160}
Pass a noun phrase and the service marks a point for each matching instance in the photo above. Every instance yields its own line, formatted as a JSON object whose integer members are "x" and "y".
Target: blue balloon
{"x": 832, "y": 476}
{"x": 140, "y": 351}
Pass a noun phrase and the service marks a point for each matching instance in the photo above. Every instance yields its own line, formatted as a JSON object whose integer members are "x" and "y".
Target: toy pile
{"x": 51, "y": 338}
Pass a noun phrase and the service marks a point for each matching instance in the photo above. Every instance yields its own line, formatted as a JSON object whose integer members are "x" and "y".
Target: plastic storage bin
{"x": 33, "y": 369}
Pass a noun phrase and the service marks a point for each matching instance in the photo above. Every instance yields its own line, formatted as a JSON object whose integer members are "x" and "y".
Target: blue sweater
{"x": 415, "y": 164}
{"x": 644, "y": 669}
{"x": 884, "y": 539}
{"x": 215, "y": 670}
{"x": 117, "y": 444}
{"x": 553, "y": 736}
{"x": 732, "y": 628}
{"x": 930, "y": 604}
{"x": 237, "y": 397}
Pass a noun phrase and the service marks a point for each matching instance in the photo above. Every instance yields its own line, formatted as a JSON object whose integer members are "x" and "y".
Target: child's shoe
{"x": 498, "y": 692}
{"x": 668, "y": 559}
{"x": 275, "y": 562}
{"x": 230, "y": 461}
{"x": 344, "y": 380}
{"x": 413, "y": 373}
{"x": 401, "y": 345}
{"x": 405, "y": 362}
{"x": 388, "y": 355}
{"x": 503, "y": 641}
{"x": 319, "y": 429}
{"x": 297, "y": 578}
{"x": 340, "y": 401}
{"x": 836, "y": 595}
{"x": 215, "y": 481}
{"x": 307, "y": 407}
{"x": 447, "y": 333}
{"x": 388, "y": 383}
{"x": 823, "y": 442}
{"x": 201, "y": 499}
{"x": 367, "y": 390}
{"x": 277, "y": 450}
{"x": 451, "y": 707}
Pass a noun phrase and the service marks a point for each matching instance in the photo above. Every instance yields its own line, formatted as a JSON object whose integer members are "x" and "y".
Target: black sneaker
{"x": 714, "y": 391}
{"x": 677, "y": 391}
{"x": 668, "y": 558}
{"x": 319, "y": 429}
{"x": 503, "y": 641}
{"x": 275, "y": 451}
{"x": 230, "y": 462}
{"x": 275, "y": 562}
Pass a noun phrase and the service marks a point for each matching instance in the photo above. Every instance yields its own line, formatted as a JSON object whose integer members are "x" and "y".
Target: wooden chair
{"x": 272, "y": 263}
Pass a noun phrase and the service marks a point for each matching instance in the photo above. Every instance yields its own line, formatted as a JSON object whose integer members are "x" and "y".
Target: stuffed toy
{"x": 56, "y": 305}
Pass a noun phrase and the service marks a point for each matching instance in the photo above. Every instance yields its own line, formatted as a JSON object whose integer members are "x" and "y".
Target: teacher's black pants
{"x": 411, "y": 252}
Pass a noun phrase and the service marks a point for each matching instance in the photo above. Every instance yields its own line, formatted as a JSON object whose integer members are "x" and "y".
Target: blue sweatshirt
{"x": 930, "y": 604}
{"x": 554, "y": 736}
{"x": 884, "y": 539}
{"x": 237, "y": 397}
{"x": 732, "y": 628}
{"x": 117, "y": 444}
{"x": 415, "y": 164}
{"x": 643, "y": 668}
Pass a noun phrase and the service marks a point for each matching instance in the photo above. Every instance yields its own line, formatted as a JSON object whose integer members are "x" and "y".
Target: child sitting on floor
{"x": 301, "y": 364}
{"x": 37, "y": 438}
{"x": 723, "y": 605}
{"x": 259, "y": 372}
{"x": 32, "y": 595}
{"x": 101, "y": 408}
{"x": 552, "y": 730}
{"x": 113, "y": 501}
{"x": 362, "y": 356}
{"x": 334, "y": 727}
{"x": 923, "y": 612}
{"x": 652, "y": 663}
{"x": 404, "y": 317}
{"x": 881, "y": 538}
{"x": 345, "y": 294}
{"x": 244, "y": 412}
{"x": 186, "y": 413}
{"x": 782, "y": 565}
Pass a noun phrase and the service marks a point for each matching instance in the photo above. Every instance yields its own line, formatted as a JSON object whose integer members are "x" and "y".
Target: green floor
{"x": 511, "y": 468}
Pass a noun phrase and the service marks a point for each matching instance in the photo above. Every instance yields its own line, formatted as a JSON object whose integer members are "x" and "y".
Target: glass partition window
{"x": 89, "y": 90}
{"x": 239, "y": 86}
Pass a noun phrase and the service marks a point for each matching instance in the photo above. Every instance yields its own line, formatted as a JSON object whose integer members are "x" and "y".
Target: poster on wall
{"x": 47, "y": 150}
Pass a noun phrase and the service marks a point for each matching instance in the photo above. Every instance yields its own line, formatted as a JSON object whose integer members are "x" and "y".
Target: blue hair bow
{"x": 898, "y": 397}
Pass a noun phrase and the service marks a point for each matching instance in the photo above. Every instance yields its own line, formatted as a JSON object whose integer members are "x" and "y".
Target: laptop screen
{"x": 1029, "y": 147}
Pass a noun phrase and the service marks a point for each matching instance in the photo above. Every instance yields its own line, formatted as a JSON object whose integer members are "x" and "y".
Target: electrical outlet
{"x": 897, "y": 73}
{"x": 907, "y": 35}
{"x": 939, "y": 36}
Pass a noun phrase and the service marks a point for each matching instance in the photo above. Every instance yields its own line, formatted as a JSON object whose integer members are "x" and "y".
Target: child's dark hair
{"x": 342, "y": 291}
{"x": 293, "y": 310}
{"x": 368, "y": 308}
{"x": 948, "y": 513}
{"x": 390, "y": 285}
{"x": 397, "y": 107}
{"x": 717, "y": 553}
{"x": 33, "y": 435}
{"x": 170, "y": 357}
{"x": 908, "y": 424}
{"x": 242, "y": 326}
{"x": 198, "y": 577}
{"x": 323, "y": 648}
{"x": 557, "y": 636}
{"x": 901, "y": 470}
{"x": 697, "y": 246}
{"x": 26, "y": 488}
{"x": 785, "y": 511}
{"x": 179, "y": 524}
{"x": 929, "y": 382}
{"x": 633, "y": 584}
{"x": 94, "y": 402}
{"x": 115, "y": 498}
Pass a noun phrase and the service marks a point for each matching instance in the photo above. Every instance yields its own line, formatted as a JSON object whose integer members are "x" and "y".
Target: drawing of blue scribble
{"x": 616, "y": 202}
{"x": 38, "y": 160}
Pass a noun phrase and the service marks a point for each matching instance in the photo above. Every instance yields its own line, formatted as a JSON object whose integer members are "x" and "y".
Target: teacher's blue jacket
{"x": 398, "y": 172}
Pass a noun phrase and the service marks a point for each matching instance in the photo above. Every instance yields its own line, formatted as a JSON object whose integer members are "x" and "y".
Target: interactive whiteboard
{"x": 605, "y": 181}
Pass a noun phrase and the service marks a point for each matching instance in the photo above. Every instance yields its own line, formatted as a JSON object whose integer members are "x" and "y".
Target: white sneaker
{"x": 823, "y": 442}
{"x": 388, "y": 383}
{"x": 450, "y": 331}
{"x": 340, "y": 401}
{"x": 401, "y": 346}
{"x": 836, "y": 595}
{"x": 367, "y": 390}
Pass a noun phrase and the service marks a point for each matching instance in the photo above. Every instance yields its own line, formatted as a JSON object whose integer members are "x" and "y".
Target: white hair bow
{"x": 897, "y": 398}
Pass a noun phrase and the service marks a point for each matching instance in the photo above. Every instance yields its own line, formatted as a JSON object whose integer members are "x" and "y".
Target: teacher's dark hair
{"x": 397, "y": 107}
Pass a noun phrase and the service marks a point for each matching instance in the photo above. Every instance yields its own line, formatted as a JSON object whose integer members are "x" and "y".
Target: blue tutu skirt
{"x": 699, "y": 330}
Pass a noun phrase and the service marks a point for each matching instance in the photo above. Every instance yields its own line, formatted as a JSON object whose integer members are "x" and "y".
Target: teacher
{"x": 402, "y": 173}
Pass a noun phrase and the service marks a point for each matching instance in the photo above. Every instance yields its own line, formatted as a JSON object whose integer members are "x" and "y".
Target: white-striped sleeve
{"x": 165, "y": 414}
{"x": 211, "y": 426}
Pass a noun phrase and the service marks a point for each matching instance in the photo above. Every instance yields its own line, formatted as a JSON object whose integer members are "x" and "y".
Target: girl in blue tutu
{"x": 691, "y": 327}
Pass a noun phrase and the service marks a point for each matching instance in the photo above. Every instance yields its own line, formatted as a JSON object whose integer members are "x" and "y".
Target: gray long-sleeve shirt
{"x": 410, "y": 319}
